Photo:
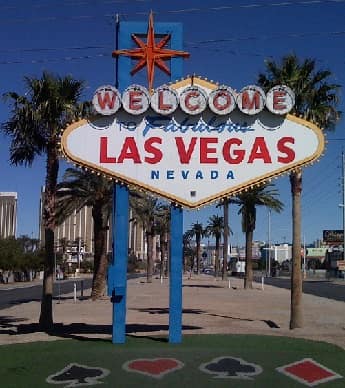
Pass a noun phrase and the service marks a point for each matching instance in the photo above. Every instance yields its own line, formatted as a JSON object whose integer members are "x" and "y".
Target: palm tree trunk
{"x": 216, "y": 269}
{"x": 46, "y": 316}
{"x": 149, "y": 269}
{"x": 52, "y": 168}
{"x": 296, "y": 316}
{"x": 248, "y": 276}
{"x": 198, "y": 240}
{"x": 225, "y": 239}
{"x": 100, "y": 256}
{"x": 164, "y": 253}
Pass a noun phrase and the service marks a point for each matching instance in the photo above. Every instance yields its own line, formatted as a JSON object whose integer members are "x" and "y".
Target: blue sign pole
{"x": 175, "y": 285}
{"x": 117, "y": 274}
{"x": 119, "y": 267}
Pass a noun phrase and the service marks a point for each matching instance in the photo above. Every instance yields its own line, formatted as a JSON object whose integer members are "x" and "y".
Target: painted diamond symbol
{"x": 308, "y": 372}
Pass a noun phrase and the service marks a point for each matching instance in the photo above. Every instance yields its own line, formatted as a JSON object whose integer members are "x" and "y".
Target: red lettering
{"x": 135, "y": 100}
{"x": 228, "y": 156}
{"x": 129, "y": 151}
{"x": 251, "y": 102}
{"x": 161, "y": 104}
{"x": 279, "y": 100}
{"x": 105, "y": 101}
{"x": 185, "y": 154}
{"x": 225, "y": 105}
{"x": 205, "y": 149}
{"x": 260, "y": 151}
{"x": 103, "y": 152}
{"x": 190, "y": 106}
{"x": 156, "y": 152}
{"x": 284, "y": 149}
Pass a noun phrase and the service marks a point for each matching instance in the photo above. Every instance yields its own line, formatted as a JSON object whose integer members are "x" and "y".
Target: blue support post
{"x": 175, "y": 296}
{"x": 118, "y": 270}
{"x": 117, "y": 273}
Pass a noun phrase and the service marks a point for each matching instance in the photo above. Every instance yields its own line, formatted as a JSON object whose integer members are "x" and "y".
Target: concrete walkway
{"x": 209, "y": 306}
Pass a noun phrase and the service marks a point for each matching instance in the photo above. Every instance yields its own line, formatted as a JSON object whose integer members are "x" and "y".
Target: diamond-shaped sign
{"x": 193, "y": 159}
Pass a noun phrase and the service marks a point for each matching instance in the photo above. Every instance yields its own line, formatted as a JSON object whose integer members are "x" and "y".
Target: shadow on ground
{"x": 81, "y": 331}
{"x": 268, "y": 322}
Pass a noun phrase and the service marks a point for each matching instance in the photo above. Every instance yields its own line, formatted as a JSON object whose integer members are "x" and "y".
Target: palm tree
{"x": 199, "y": 232}
{"x": 34, "y": 126}
{"x": 316, "y": 100}
{"x": 226, "y": 233}
{"x": 163, "y": 227}
{"x": 187, "y": 249}
{"x": 81, "y": 188}
{"x": 63, "y": 243}
{"x": 215, "y": 228}
{"x": 148, "y": 211}
{"x": 248, "y": 201}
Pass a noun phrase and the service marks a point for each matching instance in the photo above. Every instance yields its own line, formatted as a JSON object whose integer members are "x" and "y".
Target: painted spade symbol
{"x": 76, "y": 375}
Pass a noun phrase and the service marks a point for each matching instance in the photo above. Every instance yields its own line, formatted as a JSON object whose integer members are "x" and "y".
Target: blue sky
{"x": 228, "y": 42}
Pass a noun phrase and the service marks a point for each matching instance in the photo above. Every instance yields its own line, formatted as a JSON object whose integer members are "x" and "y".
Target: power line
{"x": 39, "y": 49}
{"x": 267, "y": 37}
{"x": 53, "y": 60}
{"x": 243, "y": 6}
{"x": 176, "y": 11}
{"x": 193, "y": 45}
{"x": 72, "y": 3}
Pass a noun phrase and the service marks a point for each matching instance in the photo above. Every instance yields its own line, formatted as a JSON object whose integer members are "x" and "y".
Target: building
{"x": 77, "y": 230}
{"x": 8, "y": 214}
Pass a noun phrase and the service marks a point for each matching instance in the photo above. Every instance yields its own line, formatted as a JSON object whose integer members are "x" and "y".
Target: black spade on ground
{"x": 78, "y": 375}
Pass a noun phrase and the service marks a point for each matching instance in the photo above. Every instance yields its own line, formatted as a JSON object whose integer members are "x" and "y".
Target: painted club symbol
{"x": 231, "y": 368}
{"x": 76, "y": 375}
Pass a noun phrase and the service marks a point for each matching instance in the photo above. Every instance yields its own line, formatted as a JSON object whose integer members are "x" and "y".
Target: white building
{"x": 8, "y": 214}
{"x": 78, "y": 230}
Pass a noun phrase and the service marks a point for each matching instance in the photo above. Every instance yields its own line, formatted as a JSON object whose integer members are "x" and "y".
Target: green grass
{"x": 28, "y": 365}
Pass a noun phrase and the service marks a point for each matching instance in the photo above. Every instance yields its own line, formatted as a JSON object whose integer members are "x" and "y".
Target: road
{"x": 323, "y": 288}
{"x": 13, "y": 295}
{"x": 20, "y": 293}
{"x": 16, "y": 295}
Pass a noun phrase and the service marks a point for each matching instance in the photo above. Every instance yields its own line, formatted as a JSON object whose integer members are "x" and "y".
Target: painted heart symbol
{"x": 153, "y": 367}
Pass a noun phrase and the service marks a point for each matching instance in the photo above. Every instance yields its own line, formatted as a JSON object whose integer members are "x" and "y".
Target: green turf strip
{"x": 28, "y": 365}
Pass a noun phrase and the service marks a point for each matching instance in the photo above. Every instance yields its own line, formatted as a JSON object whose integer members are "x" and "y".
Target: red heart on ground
{"x": 154, "y": 367}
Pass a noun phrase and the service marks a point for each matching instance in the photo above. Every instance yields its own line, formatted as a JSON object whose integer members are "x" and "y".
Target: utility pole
{"x": 304, "y": 259}
{"x": 343, "y": 204}
{"x": 268, "y": 267}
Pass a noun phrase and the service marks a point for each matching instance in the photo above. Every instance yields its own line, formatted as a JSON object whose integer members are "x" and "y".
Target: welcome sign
{"x": 193, "y": 141}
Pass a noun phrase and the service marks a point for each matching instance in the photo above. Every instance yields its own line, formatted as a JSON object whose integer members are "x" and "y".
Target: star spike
{"x": 151, "y": 54}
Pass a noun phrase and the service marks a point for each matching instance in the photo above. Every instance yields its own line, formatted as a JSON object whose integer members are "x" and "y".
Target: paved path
{"x": 209, "y": 306}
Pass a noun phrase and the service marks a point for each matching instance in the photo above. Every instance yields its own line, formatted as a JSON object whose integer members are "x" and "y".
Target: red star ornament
{"x": 151, "y": 54}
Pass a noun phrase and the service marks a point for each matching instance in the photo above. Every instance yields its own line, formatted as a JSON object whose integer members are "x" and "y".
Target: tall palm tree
{"x": 81, "y": 188}
{"x": 163, "y": 228}
{"x": 248, "y": 201}
{"x": 187, "y": 249}
{"x": 215, "y": 228}
{"x": 316, "y": 100}
{"x": 34, "y": 125}
{"x": 199, "y": 232}
{"x": 226, "y": 233}
{"x": 148, "y": 210}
